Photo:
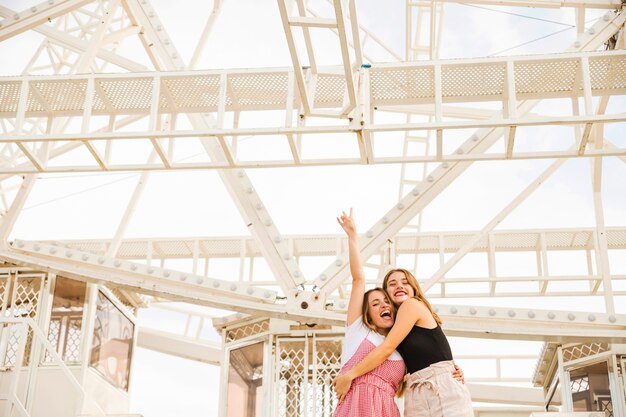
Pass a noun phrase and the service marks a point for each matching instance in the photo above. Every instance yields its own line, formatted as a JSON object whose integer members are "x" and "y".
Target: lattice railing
{"x": 25, "y": 329}
{"x": 305, "y": 368}
{"x": 21, "y": 295}
{"x": 64, "y": 334}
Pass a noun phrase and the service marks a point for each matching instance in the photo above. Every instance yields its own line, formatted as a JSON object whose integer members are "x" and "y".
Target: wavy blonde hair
{"x": 419, "y": 294}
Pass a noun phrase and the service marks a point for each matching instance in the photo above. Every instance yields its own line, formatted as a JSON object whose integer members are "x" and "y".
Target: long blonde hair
{"x": 412, "y": 281}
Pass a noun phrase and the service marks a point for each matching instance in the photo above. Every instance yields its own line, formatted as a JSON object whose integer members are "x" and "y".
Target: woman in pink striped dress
{"x": 369, "y": 319}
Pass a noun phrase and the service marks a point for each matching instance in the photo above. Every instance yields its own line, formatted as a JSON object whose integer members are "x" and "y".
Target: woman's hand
{"x": 342, "y": 386}
{"x": 458, "y": 374}
{"x": 347, "y": 223}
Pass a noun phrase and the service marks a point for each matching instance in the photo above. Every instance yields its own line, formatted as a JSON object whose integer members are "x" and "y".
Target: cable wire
{"x": 531, "y": 41}
{"x": 518, "y": 15}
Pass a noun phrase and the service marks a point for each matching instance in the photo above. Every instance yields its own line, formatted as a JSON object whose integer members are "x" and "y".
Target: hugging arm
{"x": 408, "y": 315}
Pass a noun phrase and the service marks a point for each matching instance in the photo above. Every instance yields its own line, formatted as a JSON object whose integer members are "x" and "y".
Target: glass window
{"x": 112, "y": 343}
{"x": 590, "y": 388}
{"x": 66, "y": 319}
{"x": 245, "y": 381}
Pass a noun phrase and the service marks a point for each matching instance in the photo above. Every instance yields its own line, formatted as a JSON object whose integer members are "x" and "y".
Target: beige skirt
{"x": 433, "y": 392}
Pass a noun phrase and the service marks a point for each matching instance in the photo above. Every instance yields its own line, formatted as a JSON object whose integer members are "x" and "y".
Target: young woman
{"x": 431, "y": 391}
{"x": 370, "y": 317}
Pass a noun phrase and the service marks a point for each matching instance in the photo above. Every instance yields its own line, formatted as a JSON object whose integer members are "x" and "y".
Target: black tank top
{"x": 422, "y": 347}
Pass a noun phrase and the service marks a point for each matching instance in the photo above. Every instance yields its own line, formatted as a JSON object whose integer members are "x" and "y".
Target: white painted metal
{"x": 33, "y": 116}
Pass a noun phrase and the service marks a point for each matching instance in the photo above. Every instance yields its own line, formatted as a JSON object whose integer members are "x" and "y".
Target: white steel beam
{"x": 77, "y": 45}
{"x": 38, "y": 15}
{"x": 135, "y": 274}
{"x": 494, "y": 394}
{"x": 183, "y": 347}
{"x": 9, "y": 219}
{"x": 28, "y": 168}
{"x": 326, "y": 245}
{"x": 465, "y": 321}
{"x": 305, "y": 99}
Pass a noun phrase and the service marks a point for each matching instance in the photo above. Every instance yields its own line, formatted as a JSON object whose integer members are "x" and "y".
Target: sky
{"x": 248, "y": 34}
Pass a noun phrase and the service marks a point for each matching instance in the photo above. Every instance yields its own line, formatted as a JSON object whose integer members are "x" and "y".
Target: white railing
{"x": 12, "y": 399}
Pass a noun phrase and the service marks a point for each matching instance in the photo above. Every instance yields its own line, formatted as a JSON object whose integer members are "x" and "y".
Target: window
{"x": 590, "y": 388}
{"x": 245, "y": 381}
{"x": 112, "y": 343}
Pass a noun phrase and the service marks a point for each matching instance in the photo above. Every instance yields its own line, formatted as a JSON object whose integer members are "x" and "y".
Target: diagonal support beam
{"x": 437, "y": 277}
{"x": 38, "y": 15}
{"x": 78, "y": 45}
{"x": 275, "y": 250}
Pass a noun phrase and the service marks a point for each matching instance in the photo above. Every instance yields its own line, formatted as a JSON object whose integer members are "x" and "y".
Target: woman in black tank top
{"x": 417, "y": 335}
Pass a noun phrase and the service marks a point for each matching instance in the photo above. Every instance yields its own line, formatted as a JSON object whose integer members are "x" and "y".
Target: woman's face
{"x": 398, "y": 287}
{"x": 380, "y": 310}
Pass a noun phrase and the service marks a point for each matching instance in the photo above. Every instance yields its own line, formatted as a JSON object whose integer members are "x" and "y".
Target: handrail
{"x": 56, "y": 359}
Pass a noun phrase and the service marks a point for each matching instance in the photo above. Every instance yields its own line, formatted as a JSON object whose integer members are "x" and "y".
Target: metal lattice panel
{"x": 258, "y": 90}
{"x": 549, "y": 77}
{"x": 600, "y": 67}
{"x": 305, "y": 370}
{"x": 472, "y": 80}
{"x": 327, "y": 366}
{"x": 10, "y": 93}
{"x": 580, "y": 384}
{"x": 54, "y": 337}
{"x": 12, "y": 334}
{"x": 59, "y": 96}
{"x": 388, "y": 86}
{"x": 329, "y": 90}
{"x": 571, "y": 353}
{"x": 290, "y": 360}
{"x": 190, "y": 94}
{"x": 71, "y": 352}
{"x": 127, "y": 95}
{"x": 247, "y": 330}
{"x": 606, "y": 404}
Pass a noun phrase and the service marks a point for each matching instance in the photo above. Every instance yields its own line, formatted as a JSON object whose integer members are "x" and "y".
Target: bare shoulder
{"x": 413, "y": 304}
{"x": 416, "y": 307}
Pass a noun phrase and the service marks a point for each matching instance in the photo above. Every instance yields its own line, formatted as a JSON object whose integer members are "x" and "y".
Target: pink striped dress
{"x": 372, "y": 394}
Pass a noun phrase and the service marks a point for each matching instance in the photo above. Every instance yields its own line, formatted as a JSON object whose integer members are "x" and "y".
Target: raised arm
{"x": 356, "y": 268}
{"x": 408, "y": 314}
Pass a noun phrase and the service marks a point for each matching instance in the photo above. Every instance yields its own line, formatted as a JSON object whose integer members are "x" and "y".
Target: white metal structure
{"x": 107, "y": 91}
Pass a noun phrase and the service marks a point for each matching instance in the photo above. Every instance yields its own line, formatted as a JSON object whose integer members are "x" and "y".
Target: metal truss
{"x": 63, "y": 102}
{"x": 150, "y": 95}
{"x": 465, "y": 321}
{"x": 539, "y": 243}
